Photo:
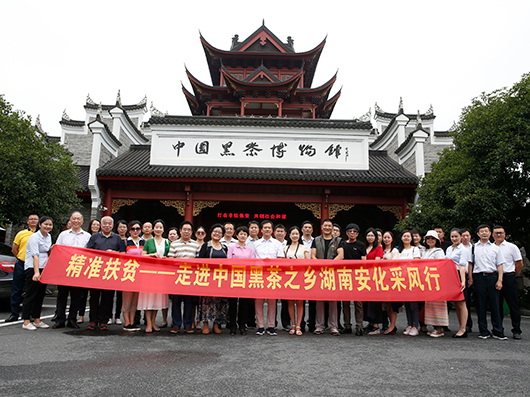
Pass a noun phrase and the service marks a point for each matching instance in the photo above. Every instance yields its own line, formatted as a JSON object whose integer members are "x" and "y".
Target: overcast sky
{"x": 442, "y": 53}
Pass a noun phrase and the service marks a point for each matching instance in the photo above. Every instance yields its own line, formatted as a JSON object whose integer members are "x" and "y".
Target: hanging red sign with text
{"x": 314, "y": 279}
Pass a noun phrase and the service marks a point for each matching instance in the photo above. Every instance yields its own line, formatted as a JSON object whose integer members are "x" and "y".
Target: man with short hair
{"x": 19, "y": 250}
{"x": 356, "y": 250}
{"x": 512, "y": 268}
{"x": 228, "y": 238}
{"x": 326, "y": 246}
{"x": 253, "y": 231}
{"x": 147, "y": 231}
{"x": 486, "y": 273}
{"x": 307, "y": 231}
{"x": 101, "y": 299}
{"x": 279, "y": 234}
{"x": 441, "y": 234}
{"x": 267, "y": 247}
{"x": 184, "y": 248}
{"x": 74, "y": 237}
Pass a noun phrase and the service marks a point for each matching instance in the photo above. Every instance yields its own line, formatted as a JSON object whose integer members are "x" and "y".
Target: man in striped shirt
{"x": 184, "y": 248}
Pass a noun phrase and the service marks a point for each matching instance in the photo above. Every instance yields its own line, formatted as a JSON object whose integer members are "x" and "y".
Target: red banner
{"x": 314, "y": 279}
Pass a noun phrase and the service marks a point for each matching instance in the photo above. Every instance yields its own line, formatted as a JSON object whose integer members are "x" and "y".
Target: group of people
{"x": 488, "y": 269}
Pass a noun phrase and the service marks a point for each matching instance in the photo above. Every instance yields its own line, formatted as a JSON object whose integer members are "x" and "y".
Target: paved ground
{"x": 58, "y": 362}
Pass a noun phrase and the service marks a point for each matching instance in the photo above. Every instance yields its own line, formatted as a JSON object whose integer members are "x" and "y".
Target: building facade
{"x": 260, "y": 144}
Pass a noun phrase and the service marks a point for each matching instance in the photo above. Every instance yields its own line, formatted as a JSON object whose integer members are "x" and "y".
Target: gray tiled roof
{"x": 135, "y": 162}
{"x": 262, "y": 122}
{"x": 84, "y": 173}
{"x": 73, "y": 123}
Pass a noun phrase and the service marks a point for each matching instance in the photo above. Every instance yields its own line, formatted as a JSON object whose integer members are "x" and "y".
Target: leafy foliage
{"x": 484, "y": 177}
{"x": 37, "y": 174}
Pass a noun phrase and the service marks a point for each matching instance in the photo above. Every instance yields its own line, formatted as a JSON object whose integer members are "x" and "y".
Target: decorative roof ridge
{"x": 292, "y": 81}
{"x": 107, "y": 129}
{"x": 330, "y": 82}
{"x": 193, "y": 79}
{"x": 317, "y": 48}
{"x": 409, "y": 138}
{"x": 287, "y": 47}
{"x": 72, "y": 123}
{"x": 257, "y": 71}
{"x": 135, "y": 129}
{"x": 262, "y": 122}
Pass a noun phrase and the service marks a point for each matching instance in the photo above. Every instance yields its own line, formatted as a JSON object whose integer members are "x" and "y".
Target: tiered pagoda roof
{"x": 261, "y": 76}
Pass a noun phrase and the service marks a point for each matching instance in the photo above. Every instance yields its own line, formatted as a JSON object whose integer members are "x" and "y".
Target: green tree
{"x": 37, "y": 174}
{"x": 485, "y": 176}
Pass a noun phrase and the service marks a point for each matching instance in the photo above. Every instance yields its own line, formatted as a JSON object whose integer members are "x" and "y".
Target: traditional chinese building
{"x": 260, "y": 144}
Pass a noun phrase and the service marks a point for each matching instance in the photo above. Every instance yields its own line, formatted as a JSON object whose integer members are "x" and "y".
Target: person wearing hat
{"x": 435, "y": 311}
{"x": 353, "y": 249}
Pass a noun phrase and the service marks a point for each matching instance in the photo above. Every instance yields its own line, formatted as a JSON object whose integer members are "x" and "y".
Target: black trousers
{"x": 100, "y": 305}
{"x": 62, "y": 299}
{"x": 237, "y": 314}
{"x": 509, "y": 294}
{"x": 469, "y": 293}
{"x": 485, "y": 292}
{"x": 35, "y": 291}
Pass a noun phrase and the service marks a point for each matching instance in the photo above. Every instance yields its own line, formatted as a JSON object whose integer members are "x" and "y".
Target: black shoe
{"x": 243, "y": 331}
{"x": 446, "y": 329}
{"x": 517, "y": 336}
{"x": 464, "y": 335}
{"x": 11, "y": 318}
{"x": 359, "y": 331}
{"x": 72, "y": 324}
{"x": 233, "y": 331}
{"x": 54, "y": 318}
{"x": 346, "y": 330}
{"x": 58, "y": 325}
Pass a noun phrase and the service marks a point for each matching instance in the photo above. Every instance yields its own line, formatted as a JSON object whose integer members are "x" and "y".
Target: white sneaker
{"x": 413, "y": 332}
{"x": 29, "y": 327}
{"x": 41, "y": 325}
{"x": 109, "y": 322}
{"x": 407, "y": 330}
{"x": 118, "y": 321}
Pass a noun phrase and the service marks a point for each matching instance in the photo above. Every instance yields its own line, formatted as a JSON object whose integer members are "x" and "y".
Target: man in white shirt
{"x": 267, "y": 247}
{"x": 228, "y": 238}
{"x": 512, "y": 268}
{"x": 307, "y": 231}
{"x": 485, "y": 272}
{"x": 279, "y": 234}
{"x": 74, "y": 237}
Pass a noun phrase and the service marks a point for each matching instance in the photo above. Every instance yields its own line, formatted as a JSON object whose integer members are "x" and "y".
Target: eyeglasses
{"x": 136, "y": 228}
{"x": 201, "y": 232}
{"x": 352, "y": 231}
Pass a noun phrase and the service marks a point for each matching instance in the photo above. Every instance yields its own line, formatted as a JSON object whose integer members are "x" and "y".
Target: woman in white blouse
{"x": 296, "y": 250}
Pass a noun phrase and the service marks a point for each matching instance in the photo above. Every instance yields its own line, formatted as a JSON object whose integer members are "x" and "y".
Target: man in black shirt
{"x": 101, "y": 299}
{"x": 353, "y": 249}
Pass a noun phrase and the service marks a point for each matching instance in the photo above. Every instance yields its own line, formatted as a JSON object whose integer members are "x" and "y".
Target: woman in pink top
{"x": 239, "y": 250}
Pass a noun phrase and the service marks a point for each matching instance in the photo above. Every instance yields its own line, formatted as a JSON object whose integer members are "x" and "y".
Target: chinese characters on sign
{"x": 259, "y": 149}
{"x": 241, "y": 215}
